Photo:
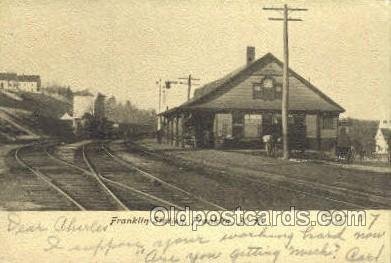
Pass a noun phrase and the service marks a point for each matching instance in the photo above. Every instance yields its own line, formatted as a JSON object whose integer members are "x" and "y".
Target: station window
{"x": 267, "y": 89}
{"x": 278, "y": 91}
{"x": 276, "y": 119}
{"x": 328, "y": 123}
{"x": 291, "y": 119}
{"x": 267, "y": 84}
{"x": 257, "y": 91}
{"x": 224, "y": 129}
{"x": 252, "y": 125}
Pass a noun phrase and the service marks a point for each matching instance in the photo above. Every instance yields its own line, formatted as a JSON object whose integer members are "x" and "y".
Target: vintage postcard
{"x": 195, "y": 131}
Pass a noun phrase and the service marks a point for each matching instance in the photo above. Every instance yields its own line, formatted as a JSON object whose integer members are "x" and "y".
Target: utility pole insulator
{"x": 168, "y": 84}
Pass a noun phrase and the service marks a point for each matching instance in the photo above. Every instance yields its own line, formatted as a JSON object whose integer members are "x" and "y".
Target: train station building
{"x": 240, "y": 108}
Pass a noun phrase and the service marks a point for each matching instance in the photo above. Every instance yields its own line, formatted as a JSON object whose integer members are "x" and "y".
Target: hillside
{"x": 30, "y": 116}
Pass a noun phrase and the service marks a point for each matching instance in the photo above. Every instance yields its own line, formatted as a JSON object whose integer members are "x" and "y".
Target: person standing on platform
{"x": 267, "y": 140}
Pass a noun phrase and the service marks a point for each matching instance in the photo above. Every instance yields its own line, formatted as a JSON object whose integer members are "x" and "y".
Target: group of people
{"x": 346, "y": 153}
{"x": 271, "y": 142}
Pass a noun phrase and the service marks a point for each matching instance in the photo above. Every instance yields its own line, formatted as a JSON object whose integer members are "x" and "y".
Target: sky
{"x": 123, "y": 47}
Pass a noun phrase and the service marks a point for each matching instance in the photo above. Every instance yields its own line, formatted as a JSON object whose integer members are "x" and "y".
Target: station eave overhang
{"x": 193, "y": 109}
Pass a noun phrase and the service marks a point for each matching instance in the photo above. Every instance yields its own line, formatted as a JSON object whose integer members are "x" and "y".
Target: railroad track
{"x": 128, "y": 196}
{"x": 128, "y": 176}
{"x": 315, "y": 190}
{"x": 370, "y": 194}
{"x": 83, "y": 190}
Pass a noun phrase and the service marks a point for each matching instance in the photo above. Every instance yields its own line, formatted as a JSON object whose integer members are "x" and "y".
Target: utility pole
{"x": 167, "y": 86}
{"x": 285, "y": 87}
{"x": 189, "y": 84}
{"x": 164, "y": 97}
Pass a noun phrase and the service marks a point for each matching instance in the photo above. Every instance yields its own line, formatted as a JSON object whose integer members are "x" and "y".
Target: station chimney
{"x": 250, "y": 55}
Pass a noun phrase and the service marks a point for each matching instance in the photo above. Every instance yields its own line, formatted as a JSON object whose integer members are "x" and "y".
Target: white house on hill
{"x": 383, "y": 137}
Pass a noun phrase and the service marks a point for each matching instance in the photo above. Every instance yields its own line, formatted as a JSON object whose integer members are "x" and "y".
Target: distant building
{"x": 14, "y": 82}
{"x": 29, "y": 83}
{"x": 383, "y": 137}
{"x": 245, "y": 105}
{"x": 85, "y": 102}
{"x": 8, "y": 81}
{"x": 66, "y": 117}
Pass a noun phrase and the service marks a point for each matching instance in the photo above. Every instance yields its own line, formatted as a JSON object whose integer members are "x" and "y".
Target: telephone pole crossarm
{"x": 282, "y": 19}
{"x": 190, "y": 83}
{"x": 188, "y": 78}
{"x": 282, "y": 9}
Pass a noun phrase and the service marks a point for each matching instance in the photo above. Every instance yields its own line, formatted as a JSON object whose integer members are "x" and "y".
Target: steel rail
{"x": 149, "y": 175}
{"x": 256, "y": 180}
{"x": 299, "y": 180}
{"x": 118, "y": 184}
{"x": 45, "y": 178}
{"x": 101, "y": 177}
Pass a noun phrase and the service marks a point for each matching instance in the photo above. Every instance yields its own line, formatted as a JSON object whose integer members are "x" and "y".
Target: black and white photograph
{"x": 220, "y": 106}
